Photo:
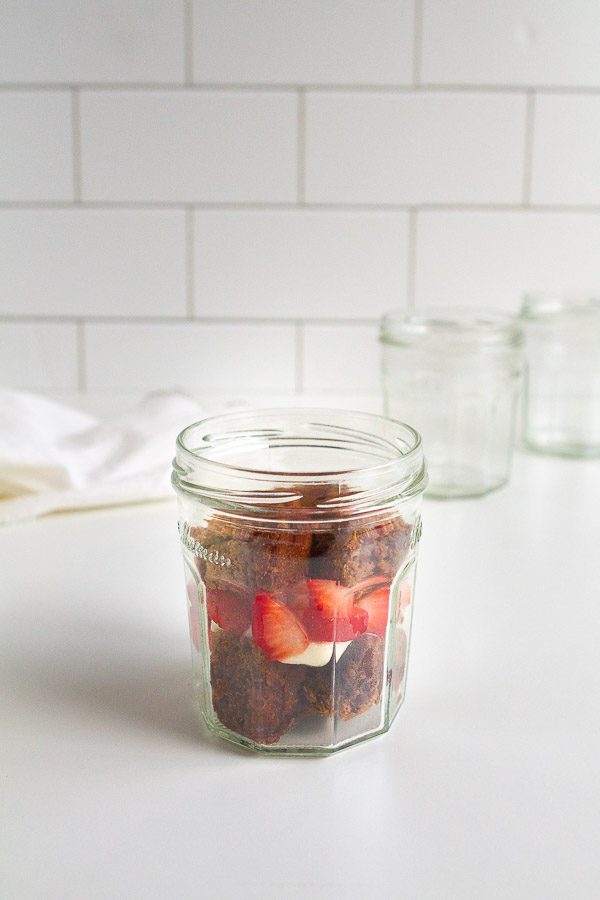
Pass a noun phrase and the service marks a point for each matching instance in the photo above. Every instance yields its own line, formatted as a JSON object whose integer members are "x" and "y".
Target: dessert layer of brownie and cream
{"x": 297, "y": 613}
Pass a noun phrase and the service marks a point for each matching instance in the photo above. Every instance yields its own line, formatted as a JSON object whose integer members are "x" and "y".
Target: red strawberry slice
{"x": 339, "y": 628}
{"x": 276, "y": 630}
{"x": 296, "y": 597}
{"x": 369, "y": 584}
{"x": 230, "y": 609}
{"x": 329, "y": 598}
{"x": 376, "y": 604}
{"x": 331, "y": 615}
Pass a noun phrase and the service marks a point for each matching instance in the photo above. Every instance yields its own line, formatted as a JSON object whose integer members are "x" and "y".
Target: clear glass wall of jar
{"x": 299, "y": 531}
{"x": 455, "y": 374}
{"x": 561, "y": 410}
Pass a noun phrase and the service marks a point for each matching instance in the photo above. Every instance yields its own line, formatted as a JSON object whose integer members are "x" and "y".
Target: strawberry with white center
{"x": 276, "y": 630}
{"x": 302, "y": 624}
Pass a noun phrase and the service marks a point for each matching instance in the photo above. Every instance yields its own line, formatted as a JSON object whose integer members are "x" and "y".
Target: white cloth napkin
{"x": 54, "y": 457}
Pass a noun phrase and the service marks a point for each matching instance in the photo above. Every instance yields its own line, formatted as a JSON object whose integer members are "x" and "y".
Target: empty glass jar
{"x": 561, "y": 410}
{"x": 455, "y": 374}
{"x": 299, "y": 531}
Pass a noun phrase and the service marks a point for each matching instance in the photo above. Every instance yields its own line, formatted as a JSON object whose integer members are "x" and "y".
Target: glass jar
{"x": 299, "y": 531}
{"x": 455, "y": 375}
{"x": 561, "y": 412}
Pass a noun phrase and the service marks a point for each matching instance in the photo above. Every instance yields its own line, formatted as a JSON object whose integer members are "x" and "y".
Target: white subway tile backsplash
{"x": 305, "y": 42}
{"x": 566, "y": 150}
{"x": 515, "y": 42}
{"x": 299, "y": 263}
{"x": 227, "y": 195}
{"x": 340, "y": 357}
{"x": 190, "y": 355}
{"x": 38, "y": 355}
{"x": 36, "y": 146}
{"x": 231, "y": 146}
{"x": 104, "y": 41}
{"x": 490, "y": 259}
{"x": 414, "y": 148}
{"x": 83, "y": 262}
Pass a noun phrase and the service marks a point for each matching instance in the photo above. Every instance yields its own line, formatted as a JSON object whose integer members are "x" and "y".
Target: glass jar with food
{"x": 300, "y": 531}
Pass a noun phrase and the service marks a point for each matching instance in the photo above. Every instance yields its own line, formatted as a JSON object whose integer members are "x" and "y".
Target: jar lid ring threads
{"x": 273, "y": 460}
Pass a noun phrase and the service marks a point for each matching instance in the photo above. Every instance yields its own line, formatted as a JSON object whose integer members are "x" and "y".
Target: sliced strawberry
{"x": 369, "y": 584}
{"x": 230, "y": 609}
{"x": 296, "y": 597}
{"x": 329, "y": 598}
{"x": 276, "y": 630}
{"x": 338, "y": 628}
{"x": 377, "y": 604}
{"x": 331, "y": 615}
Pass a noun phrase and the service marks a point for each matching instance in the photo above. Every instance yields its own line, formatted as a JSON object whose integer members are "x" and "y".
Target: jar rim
{"x": 451, "y": 329}
{"x": 546, "y": 305}
{"x": 201, "y": 468}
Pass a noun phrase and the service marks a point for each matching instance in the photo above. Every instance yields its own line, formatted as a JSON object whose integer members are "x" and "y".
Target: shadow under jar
{"x": 455, "y": 374}
{"x": 561, "y": 409}
{"x": 299, "y": 531}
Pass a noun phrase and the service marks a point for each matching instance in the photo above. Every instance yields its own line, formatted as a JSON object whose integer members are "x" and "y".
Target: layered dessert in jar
{"x": 300, "y": 607}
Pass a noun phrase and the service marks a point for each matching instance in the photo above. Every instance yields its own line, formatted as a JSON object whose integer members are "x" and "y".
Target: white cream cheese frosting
{"x": 318, "y": 653}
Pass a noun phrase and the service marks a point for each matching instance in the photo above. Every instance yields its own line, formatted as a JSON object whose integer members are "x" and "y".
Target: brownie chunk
{"x": 357, "y": 685}
{"x": 260, "y": 698}
{"x": 258, "y": 559}
{"x": 251, "y": 695}
{"x": 350, "y": 552}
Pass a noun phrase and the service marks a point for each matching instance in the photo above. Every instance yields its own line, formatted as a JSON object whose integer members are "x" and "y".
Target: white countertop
{"x": 486, "y": 787}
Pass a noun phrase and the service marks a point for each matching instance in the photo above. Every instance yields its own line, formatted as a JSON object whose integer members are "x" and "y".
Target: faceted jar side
{"x": 300, "y": 630}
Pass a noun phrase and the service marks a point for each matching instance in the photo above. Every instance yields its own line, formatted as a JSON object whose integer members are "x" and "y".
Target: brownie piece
{"x": 251, "y": 695}
{"x": 350, "y": 552}
{"x": 258, "y": 559}
{"x": 358, "y": 681}
{"x": 259, "y": 698}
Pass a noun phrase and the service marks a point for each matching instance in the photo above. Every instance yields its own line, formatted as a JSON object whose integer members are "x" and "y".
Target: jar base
{"x": 289, "y": 746}
{"x": 459, "y": 483}
{"x": 569, "y": 449}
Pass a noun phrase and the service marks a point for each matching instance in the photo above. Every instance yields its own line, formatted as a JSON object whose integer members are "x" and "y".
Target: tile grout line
{"x": 76, "y": 144}
{"x": 291, "y": 206}
{"x": 291, "y": 87}
{"x": 188, "y": 41}
{"x": 412, "y": 259}
{"x": 258, "y": 321}
{"x": 301, "y": 149}
{"x": 298, "y": 362}
{"x": 417, "y": 42}
{"x": 189, "y": 263}
{"x": 529, "y": 135}
{"x": 81, "y": 356}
